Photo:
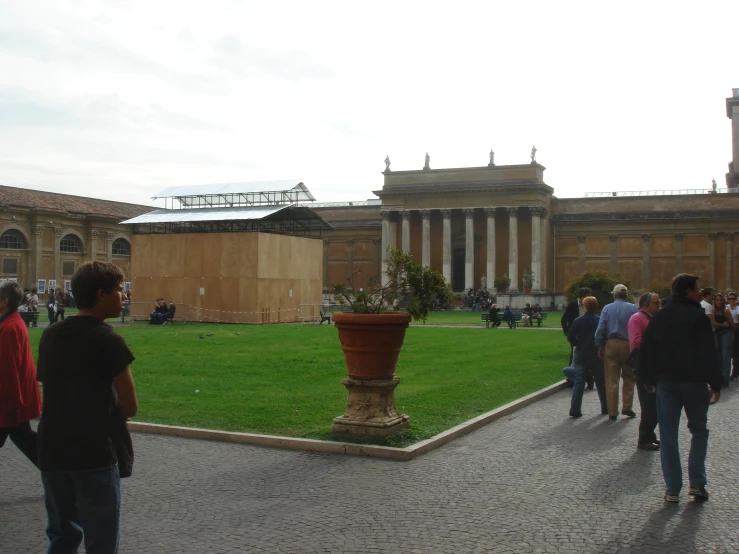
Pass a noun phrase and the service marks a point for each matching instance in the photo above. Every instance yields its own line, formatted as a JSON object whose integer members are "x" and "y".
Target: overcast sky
{"x": 120, "y": 99}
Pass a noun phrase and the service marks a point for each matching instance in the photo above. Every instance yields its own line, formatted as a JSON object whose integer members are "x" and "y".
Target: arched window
{"x": 70, "y": 243}
{"x": 121, "y": 247}
{"x": 12, "y": 239}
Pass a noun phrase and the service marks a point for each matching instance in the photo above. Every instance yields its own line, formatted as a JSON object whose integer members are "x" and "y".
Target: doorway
{"x": 458, "y": 270}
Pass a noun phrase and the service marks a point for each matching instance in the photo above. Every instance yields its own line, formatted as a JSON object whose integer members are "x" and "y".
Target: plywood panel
{"x": 211, "y": 245}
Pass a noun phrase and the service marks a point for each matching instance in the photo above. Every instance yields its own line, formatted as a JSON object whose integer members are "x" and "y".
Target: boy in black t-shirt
{"x": 88, "y": 392}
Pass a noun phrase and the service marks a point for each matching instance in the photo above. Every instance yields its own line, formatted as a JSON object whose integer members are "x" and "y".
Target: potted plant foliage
{"x": 528, "y": 280}
{"x": 372, "y": 334}
{"x": 501, "y": 284}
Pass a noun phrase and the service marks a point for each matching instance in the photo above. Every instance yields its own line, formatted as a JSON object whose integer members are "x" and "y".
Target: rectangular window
{"x": 68, "y": 268}
{"x": 10, "y": 266}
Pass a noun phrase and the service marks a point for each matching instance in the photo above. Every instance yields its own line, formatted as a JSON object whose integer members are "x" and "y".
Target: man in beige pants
{"x": 612, "y": 341}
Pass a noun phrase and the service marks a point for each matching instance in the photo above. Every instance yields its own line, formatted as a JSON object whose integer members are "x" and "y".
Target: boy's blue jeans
{"x": 83, "y": 503}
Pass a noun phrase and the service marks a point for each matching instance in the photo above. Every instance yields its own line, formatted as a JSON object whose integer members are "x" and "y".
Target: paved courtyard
{"x": 535, "y": 481}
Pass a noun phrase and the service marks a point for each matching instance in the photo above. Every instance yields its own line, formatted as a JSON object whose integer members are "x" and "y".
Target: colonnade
{"x": 389, "y": 226}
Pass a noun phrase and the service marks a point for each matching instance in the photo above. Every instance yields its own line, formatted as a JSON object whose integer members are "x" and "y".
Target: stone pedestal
{"x": 370, "y": 409}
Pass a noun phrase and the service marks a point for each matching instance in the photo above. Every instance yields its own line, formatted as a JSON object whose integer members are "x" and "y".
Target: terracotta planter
{"x": 501, "y": 289}
{"x": 371, "y": 343}
{"x": 527, "y": 290}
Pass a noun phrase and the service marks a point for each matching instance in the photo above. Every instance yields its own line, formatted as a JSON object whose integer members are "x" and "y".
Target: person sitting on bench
{"x": 167, "y": 317}
{"x": 157, "y": 316}
{"x": 508, "y": 317}
{"x": 494, "y": 321}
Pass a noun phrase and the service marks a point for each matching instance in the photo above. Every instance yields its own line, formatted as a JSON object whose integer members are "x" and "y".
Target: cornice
{"x": 645, "y": 216}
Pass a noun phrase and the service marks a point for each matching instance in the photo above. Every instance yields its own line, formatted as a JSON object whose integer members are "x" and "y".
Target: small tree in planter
{"x": 528, "y": 280}
{"x": 501, "y": 284}
{"x": 372, "y": 337}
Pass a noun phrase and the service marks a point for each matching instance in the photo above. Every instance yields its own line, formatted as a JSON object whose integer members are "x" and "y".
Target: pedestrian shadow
{"x": 673, "y": 528}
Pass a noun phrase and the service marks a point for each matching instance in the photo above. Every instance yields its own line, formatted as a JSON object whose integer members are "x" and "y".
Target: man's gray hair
{"x": 11, "y": 291}
{"x": 645, "y": 299}
{"x": 621, "y": 295}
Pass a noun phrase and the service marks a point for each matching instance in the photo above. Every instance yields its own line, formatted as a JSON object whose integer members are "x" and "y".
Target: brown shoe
{"x": 648, "y": 445}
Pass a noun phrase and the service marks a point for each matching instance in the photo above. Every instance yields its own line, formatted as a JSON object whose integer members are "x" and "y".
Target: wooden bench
{"x": 538, "y": 321}
{"x": 171, "y": 319}
{"x": 30, "y": 318}
{"x": 324, "y": 317}
{"x": 485, "y": 318}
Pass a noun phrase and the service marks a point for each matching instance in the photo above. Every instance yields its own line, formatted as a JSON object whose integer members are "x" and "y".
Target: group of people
{"x": 528, "y": 315}
{"x": 82, "y": 448}
{"x": 55, "y": 305}
{"x": 672, "y": 355}
{"x": 163, "y": 313}
{"x": 477, "y": 299}
{"x": 724, "y": 319}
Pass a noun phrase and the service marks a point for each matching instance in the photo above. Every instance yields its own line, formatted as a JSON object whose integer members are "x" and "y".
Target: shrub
{"x": 600, "y": 282}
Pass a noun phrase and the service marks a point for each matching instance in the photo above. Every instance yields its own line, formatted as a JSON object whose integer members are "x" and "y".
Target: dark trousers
{"x": 588, "y": 372}
{"x": 24, "y": 438}
{"x": 648, "y": 421}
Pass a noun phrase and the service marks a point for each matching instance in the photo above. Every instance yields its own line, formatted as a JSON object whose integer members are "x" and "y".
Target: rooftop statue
{"x": 533, "y": 154}
{"x": 492, "y": 158}
{"x": 426, "y": 164}
{"x": 387, "y": 163}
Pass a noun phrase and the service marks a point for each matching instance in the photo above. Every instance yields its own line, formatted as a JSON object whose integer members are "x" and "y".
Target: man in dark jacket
{"x": 574, "y": 310}
{"x": 678, "y": 357}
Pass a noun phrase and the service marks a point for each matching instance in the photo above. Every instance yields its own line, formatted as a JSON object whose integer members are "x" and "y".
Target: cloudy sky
{"x": 121, "y": 99}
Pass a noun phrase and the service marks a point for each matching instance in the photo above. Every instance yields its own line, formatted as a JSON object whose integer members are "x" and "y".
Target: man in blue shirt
{"x": 612, "y": 341}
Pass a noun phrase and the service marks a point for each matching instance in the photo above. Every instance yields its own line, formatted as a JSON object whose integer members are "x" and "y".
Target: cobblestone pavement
{"x": 534, "y": 481}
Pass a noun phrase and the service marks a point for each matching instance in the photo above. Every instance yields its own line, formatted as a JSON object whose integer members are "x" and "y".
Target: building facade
{"x": 45, "y": 236}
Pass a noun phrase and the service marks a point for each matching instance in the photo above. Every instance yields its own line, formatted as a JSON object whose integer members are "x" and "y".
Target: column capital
{"x": 426, "y": 214}
{"x": 729, "y": 236}
{"x": 679, "y": 238}
{"x": 469, "y": 212}
{"x": 581, "y": 239}
{"x": 405, "y": 215}
{"x": 376, "y": 241}
{"x": 109, "y": 235}
{"x": 446, "y": 213}
{"x": 386, "y": 215}
{"x": 93, "y": 233}
{"x": 613, "y": 238}
{"x": 512, "y": 211}
{"x": 350, "y": 242}
{"x": 712, "y": 236}
{"x": 537, "y": 211}
{"x": 646, "y": 238}
{"x": 38, "y": 230}
{"x": 57, "y": 231}
{"x": 326, "y": 244}
{"x": 544, "y": 213}
{"x": 490, "y": 212}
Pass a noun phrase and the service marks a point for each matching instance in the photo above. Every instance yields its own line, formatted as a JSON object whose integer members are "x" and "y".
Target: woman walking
{"x": 723, "y": 325}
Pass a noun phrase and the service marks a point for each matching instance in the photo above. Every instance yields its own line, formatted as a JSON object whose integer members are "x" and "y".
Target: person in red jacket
{"x": 20, "y": 400}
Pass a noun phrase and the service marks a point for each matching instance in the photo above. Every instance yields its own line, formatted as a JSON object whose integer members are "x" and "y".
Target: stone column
{"x": 349, "y": 257}
{"x": 513, "y": 248}
{"x": 646, "y": 242}
{"x": 712, "y": 259}
{"x": 545, "y": 252}
{"x": 426, "y": 238}
{"x": 446, "y": 253}
{"x": 469, "y": 248}
{"x": 679, "y": 253}
{"x": 326, "y": 244}
{"x": 109, "y": 247}
{"x": 729, "y": 261}
{"x": 581, "y": 253}
{"x": 536, "y": 214}
{"x": 56, "y": 259}
{"x": 38, "y": 232}
{"x": 490, "y": 213}
{"x": 406, "y": 236}
{"x": 385, "y": 244}
{"x": 613, "y": 251}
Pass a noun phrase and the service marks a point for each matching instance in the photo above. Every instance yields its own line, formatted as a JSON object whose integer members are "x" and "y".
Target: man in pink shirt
{"x": 648, "y": 306}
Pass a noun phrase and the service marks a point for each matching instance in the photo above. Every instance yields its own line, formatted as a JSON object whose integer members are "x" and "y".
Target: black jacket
{"x": 678, "y": 345}
{"x": 572, "y": 312}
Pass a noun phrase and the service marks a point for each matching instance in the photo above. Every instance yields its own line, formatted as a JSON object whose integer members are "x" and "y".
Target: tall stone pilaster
{"x": 679, "y": 253}
{"x": 581, "y": 253}
{"x": 326, "y": 284}
{"x": 544, "y": 256}
{"x": 446, "y": 248}
{"x": 385, "y": 244}
{"x": 377, "y": 258}
{"x": 56, "y": 259}
{"x": 406, "y": 232}
{"x": 613, "y": 253}
{"x": 426, "y": 237}
{"x": 469, "y": 248}
{"x": 729, "y": 261}
{"x": 109, "y": 247}
{"x": 712, "y": 258}
{"x": 490, "y": 254}
{"x": 349, "y": 257}
{"x": 646, "y": 243}
{"x": 536, "y": 214}
{"x": 38, "y": 232}
{"x": 513, "y": 248}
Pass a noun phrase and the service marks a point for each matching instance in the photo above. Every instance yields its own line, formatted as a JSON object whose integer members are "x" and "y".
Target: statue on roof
{"x": 714, "y": 185}
{"x": 426, "y": 164}
{"x": 533, "y": 154}
{"x": 492, "y": 158}
{"x": 387, "y": 163}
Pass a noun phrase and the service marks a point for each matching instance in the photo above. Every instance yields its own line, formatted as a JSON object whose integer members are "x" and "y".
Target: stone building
{"x": 476, "y": 224}
{"x": 44, "y": 236}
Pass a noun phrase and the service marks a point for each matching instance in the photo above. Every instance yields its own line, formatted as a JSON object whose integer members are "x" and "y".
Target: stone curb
{"x": 331, "y": 447}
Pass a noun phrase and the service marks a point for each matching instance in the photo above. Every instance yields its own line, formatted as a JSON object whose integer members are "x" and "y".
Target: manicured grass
{"x": 286, "y": 379}
{"x": 464, "y": 317}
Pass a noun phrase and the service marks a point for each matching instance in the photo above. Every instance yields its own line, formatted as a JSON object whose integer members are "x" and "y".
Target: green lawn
{"x": 285, "y": 379}
{"x": 460, "y": 317}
